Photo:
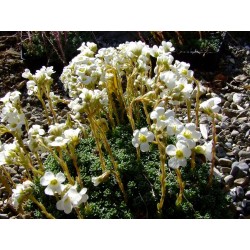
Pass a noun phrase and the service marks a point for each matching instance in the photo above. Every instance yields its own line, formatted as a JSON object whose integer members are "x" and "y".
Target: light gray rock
{"x": 4, "y": 216}
{"x": 235, "y": 133}
{"x": 244, "y": 154}
{"x": 243, "y": 166}
{"x": 247, "y": 194}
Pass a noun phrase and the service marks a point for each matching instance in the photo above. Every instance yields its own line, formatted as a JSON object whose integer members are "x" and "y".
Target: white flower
{"x": 32, "y": 87}
{"x": 59, "y": 142}
{"x": 210, "y": 106}
{"x": 169, "y": 78}
{"x": 167, "y": 46}
{"x": 35, "y": 130}
{"x": 20, "y": 192}
{"x": 189, "y": 134}
{"x": 205, "y": 149}
{"x": 27, "y": 74}
{"x": 12, "y": 97}
{"x": 174, "y": 126}
{"x": 72, "y": 134}
{"x": 53, "y": 183}
{"x": 99, "y": 179}
{"x": 161, "y": 117}
{"x": 72, "y": 199}
{"x": 179, "y": 154}
{"x": 141, "y": 138}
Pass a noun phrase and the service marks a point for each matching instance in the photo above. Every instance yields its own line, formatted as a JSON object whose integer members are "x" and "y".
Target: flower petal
{"x": 182, "y": 162}
{"x": 135, "y": 143}
{"x": 67, "y": 207}
{"x": 150, "y": 136}
{"x": 44, "y": 181}
{"x": 173, "y": 163}
{"x": 153, "y": 115}
{"x": 144, "y": 147}
{"x": 49, "y": 175}
{"x": 170, "y": 150}
{"x": 204, "y": 132}
{"x": 48, "y": 190}
{"x": 59, "y": 205}
{"x": 60, "y": 177}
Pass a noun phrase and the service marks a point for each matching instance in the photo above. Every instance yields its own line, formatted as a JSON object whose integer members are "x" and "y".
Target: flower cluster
{"x": 11, "y": 112}
{"x": 108, "y": 87}
{"x": 70, "y": 198}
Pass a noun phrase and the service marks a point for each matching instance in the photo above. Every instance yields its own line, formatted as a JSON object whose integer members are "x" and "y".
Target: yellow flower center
{"x": 187, "y": 134}
{"x": 142, "y": 138}
{"x": 53, "y": 182}
{"x": 179, "y": 153}
{"x": 162, "y": 117}
{"x": 184, "y": 71}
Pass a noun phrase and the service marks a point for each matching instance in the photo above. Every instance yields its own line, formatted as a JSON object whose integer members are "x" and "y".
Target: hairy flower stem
{"x": 197, "y": 107}
{"x": 64, "y": 165}
{"x": 5, "y": 179}
{"x": 41, "y": 206}
{"x": 41, "y": 167}
{"x": 193, "y": 160}
{"x": 103, "y": 138}
{"x": 45, "y": 109}
{"x": 188, "y": 103}
{"x": 61, "y": 162}
{"x": 52, "y": 109}
{"x": 74, "y": 159}
{"x": 181, "y": 185}
{"x": 161, "y": 148}
{"x": 213, "y": 152}
{"x": 98, "y": 143}
{"x": 78, "y": 213}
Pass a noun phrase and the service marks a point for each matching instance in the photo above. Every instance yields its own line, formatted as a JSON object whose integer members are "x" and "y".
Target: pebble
{"x": 4, "y": 216}
{"x": 234, "y": 133}
{"x": 243, "y": 166}
{"x": 225, "y": 162}
{"x": 240, "y": 192}
{"x": 244, "y": 154}
{"x": 229, "y": 180}
{"x": 242, "y": 181}
{"x": 247, "y": 194}
{"x": 228, "y": 145}
{"x": 225, "y": 170}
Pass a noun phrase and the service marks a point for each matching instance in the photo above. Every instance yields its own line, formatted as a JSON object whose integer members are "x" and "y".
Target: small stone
{"x": 244, "y": 154}
{"x": 243, "y": 166}
{"x": 229, "y": 180}
{"x": 245, "y": 203}
{"x": 240, "y": 78}
{"x": 220, "y": 152}
{"x": 228, "y": 145}
{"x": 237, "y": 98}
{"x": 242, "y": 181}
{"x": 225, "y": 170}
{"x": 240, "y": 192}
{"x": 226, "y": 104}
{"x": 15, "y": 180}
{"x": 4, "y": 216}
{"x": 225, "y": 162}
{"x": 239, "y": 209}
{"x": 247, "y": 194}
{"x": 234, "y": 133}
{"x": 233, "y": 194}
